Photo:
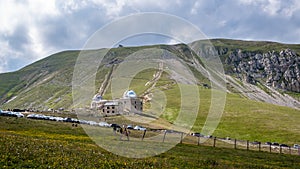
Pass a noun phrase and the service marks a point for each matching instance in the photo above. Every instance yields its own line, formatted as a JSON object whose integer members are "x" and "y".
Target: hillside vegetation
{"x": 46, "y": 84}
{"x": 27, "y": 143}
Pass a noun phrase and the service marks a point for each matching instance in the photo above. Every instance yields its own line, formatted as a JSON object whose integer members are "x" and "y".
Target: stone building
{"x": 129, "y": 103}
{"x": 111, "y": 107}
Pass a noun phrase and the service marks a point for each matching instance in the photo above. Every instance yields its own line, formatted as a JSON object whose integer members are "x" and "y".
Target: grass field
{"x": 243, "y": 119}
{"x": 26, "y": 143}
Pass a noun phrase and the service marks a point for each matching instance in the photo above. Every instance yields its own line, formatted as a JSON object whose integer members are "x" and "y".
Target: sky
{"x": 33, "y": 29}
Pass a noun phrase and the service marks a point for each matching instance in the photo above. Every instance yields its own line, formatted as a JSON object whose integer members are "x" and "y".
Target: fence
{"x": 168, "y": 137}
{"x": 183, "y": 138}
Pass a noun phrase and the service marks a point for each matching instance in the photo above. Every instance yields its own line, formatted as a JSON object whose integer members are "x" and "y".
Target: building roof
{"x": 111, "y": 103}
{"x": 97, "y": 98}
{"x": 129, "y": 94}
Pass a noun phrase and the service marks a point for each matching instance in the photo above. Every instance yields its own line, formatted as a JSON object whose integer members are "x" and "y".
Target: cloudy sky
{"x": 33, "y": 29}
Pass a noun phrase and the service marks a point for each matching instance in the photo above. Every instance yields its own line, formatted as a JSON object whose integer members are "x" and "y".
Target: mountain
{"x": 263, "y": 71}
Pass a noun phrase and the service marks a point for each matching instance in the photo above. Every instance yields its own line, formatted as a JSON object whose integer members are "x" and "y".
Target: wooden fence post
{"x": 181, "y": 137}
{"x": 234, "y": 143}
{"x": 259, "y": 146}
{"x": 270, "y": 148}
{"x": 144, "y": 135}
{"x": 127, "y": 134}
{"x": 280, "y": 149}
{"x": 198, "y": 140}
{"x": 247, "y": 144}
{"x": 164, "y": 136}
{"x": 215, "y": 138}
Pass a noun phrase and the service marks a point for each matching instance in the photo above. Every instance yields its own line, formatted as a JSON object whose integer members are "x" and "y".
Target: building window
{"x": 107, "y": 107}
{"x": 107, "y": 111}
{"x": 113, "y": 111}
{"x": 113, "y": 107}
{"x": 135, "y": 107}
{"x": 103, "y": 110}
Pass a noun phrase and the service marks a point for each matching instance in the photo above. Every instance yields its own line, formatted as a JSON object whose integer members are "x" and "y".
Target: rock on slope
{"x": 279, "y": 70}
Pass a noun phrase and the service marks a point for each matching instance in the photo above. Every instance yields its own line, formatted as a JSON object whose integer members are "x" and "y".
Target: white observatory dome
{"x": 129, "y": 94}
{"x": 97, "y": 98}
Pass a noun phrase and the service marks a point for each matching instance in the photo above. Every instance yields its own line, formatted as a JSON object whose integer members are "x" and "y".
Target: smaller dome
{"x": 97, "y": 98}
{"x": 129, "y": 94}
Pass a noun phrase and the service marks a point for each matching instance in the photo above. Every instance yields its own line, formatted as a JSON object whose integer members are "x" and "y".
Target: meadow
{"x": 242, "y": 118}
{"x": 28, "y": 143}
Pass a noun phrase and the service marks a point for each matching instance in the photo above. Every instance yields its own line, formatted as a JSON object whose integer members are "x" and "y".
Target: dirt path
{"x": 105, "y": 84}
{"x": 154, "y": 80}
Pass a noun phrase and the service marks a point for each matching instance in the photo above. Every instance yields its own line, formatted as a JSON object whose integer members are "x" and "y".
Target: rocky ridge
{"x": 279, "y": 70}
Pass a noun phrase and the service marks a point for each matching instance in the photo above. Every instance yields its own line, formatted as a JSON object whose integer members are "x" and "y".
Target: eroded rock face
{"x": 278, "y": 70}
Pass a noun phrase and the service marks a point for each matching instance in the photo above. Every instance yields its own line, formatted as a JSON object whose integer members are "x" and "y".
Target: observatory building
{"x": 129, "y": 103}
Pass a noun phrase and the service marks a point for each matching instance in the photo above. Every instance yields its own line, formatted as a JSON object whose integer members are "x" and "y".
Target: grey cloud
{"x": 18, "y": 38}
{"x": 72, "y": 30}
{"x": 228, "y": 19}
{"x": 248, "y": 21}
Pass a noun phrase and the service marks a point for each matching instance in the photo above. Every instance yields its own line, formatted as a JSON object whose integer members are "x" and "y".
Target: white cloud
{"x": 13, "y": 13}
{"x": 33, "y": 29}
{"x": 27, "y": 15}
{"x": 195, "y": 8}
{"x": 161, "y": 4}
{"x": 69, "y": 6}
{"x": 284, "y": 8}
{"x": 36, "y": 45}
{"x": 272, "y": 7}
{"x": 113, "y": 8}
{"x": 292, "y": 9}
{"x": 41, "y": 9}
{"x": 173, "y": 42}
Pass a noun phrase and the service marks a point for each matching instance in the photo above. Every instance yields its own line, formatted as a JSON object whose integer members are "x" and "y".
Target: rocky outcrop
{"x": 279, "y": 70}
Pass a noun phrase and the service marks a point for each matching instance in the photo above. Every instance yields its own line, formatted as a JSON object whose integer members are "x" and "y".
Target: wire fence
{"x": 183, "y": 138}
{"x": 169, "y": 136}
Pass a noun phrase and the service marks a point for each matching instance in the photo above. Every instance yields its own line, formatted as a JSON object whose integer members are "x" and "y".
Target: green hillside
{"x": 254, "y": 46}
{"x": 46, "y": 84}
{"x": 39, "y": 81}
{"x": 242, "y": 118}
{"x": 251, "y": 111}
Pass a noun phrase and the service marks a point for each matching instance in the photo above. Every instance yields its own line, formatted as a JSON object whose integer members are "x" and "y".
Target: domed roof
{"x": 97, "y": 98}
{"x": 129, "y": 94}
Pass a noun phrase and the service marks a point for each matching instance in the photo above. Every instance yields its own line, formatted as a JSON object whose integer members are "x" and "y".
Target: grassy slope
{"x": 261, "y": 46}
{"x": 55, "y": 72}
{"x": 43, "y": 82}
{"x": 27, "y": 143}
{"x": 38, "y": 82}
{"x": 242, "y": 118}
